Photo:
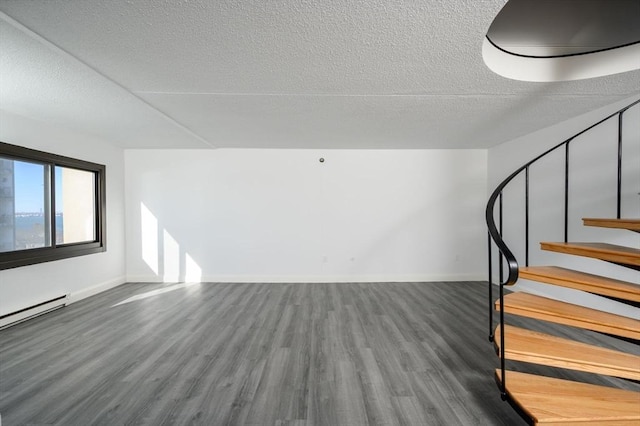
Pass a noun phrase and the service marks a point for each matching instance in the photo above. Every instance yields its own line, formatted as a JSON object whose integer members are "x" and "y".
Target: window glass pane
{"x": 23, "y": 205}
{"x": 75, "y": 201}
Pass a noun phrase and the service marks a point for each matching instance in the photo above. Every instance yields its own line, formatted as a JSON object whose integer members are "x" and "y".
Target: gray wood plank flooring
{"x": 262, "y": 354}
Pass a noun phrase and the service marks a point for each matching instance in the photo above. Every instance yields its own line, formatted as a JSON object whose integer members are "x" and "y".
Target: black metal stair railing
{"x": 495, "y": 235}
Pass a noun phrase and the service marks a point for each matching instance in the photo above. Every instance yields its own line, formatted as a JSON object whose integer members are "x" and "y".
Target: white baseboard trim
{"x": 91, "y": 291}
{"x": 145, "y": 279}
{"x": 16, "y": 317}
{"x": 318, "y": 278}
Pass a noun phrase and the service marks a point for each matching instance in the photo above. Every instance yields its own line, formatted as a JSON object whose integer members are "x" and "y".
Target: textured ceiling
{"x": 278, "y": 74}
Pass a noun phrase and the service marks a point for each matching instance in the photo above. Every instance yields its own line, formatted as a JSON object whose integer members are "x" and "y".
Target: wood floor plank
{"x": 277, "y": 354}
{"x": 409, "y": 411}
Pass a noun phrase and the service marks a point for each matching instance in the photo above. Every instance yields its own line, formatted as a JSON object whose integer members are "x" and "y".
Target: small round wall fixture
{"x": 321, "y": 160}
{"x": 560, "y": 40}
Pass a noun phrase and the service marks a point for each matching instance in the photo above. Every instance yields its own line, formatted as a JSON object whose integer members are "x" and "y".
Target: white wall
{"x": 281, "y": 215}
{"x": 80, "y": 276}
{"x": 592, "y": 193}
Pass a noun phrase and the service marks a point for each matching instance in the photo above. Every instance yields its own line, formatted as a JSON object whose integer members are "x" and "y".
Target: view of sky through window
{"x": 29, "y": 187}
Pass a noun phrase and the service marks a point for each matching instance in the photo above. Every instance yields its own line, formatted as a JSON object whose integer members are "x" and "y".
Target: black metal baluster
{"x": 503, "y": 391}
{"x": 566, "y": 192}
{"x": 526, "y": 216}
{"x": 490, "y": 289}
{"x": 619, "y": 189}
{"x": 500, "y": 257}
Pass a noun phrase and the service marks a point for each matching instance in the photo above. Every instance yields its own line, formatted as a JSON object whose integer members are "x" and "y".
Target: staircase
{"x": 550, "y": 401}
{"x": 546, "y": 400}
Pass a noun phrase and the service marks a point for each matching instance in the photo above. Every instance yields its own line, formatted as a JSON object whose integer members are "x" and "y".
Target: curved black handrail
{"x": 491, "y": 224}
{"x": 505, "y": 253}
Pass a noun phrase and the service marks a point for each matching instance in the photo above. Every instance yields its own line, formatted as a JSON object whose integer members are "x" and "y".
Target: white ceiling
{"x": 276, "y": 74}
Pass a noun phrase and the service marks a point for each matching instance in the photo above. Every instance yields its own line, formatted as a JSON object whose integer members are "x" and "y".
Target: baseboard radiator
{"x": 24, "y": 314}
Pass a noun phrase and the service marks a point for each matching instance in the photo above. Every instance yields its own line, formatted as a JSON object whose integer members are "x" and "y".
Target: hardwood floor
{"x": 263, "y": 354}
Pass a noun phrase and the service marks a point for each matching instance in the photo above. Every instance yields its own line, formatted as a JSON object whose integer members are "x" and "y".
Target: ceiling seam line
{"x": 51, "y": 45}
{"x": 338, "y": 95}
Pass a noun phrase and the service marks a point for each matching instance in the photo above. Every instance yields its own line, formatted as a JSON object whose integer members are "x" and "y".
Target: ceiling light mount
{"x": 557, "y": 40}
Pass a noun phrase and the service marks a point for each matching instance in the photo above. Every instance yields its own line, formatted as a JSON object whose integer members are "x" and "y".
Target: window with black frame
{"x": 51, "y": 207}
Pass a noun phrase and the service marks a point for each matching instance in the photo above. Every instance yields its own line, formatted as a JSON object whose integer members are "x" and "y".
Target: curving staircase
{"x": 546, "y": 400}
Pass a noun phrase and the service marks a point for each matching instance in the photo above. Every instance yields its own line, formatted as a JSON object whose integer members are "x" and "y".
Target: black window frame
{"x": 17, "y": 258}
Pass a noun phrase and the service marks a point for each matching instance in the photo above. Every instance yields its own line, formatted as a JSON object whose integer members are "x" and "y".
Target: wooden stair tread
{"x": 540, "y": 348}
{"x": 624, "y": 223}
{"x": 603, "y": 251}
{"x": 532, "y": 306}
{"x": 582, "y": 281}
{"x": 550, "y": 401}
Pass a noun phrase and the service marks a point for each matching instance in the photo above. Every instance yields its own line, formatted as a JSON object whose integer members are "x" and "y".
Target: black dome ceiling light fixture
{"x": 559, "y": 40}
